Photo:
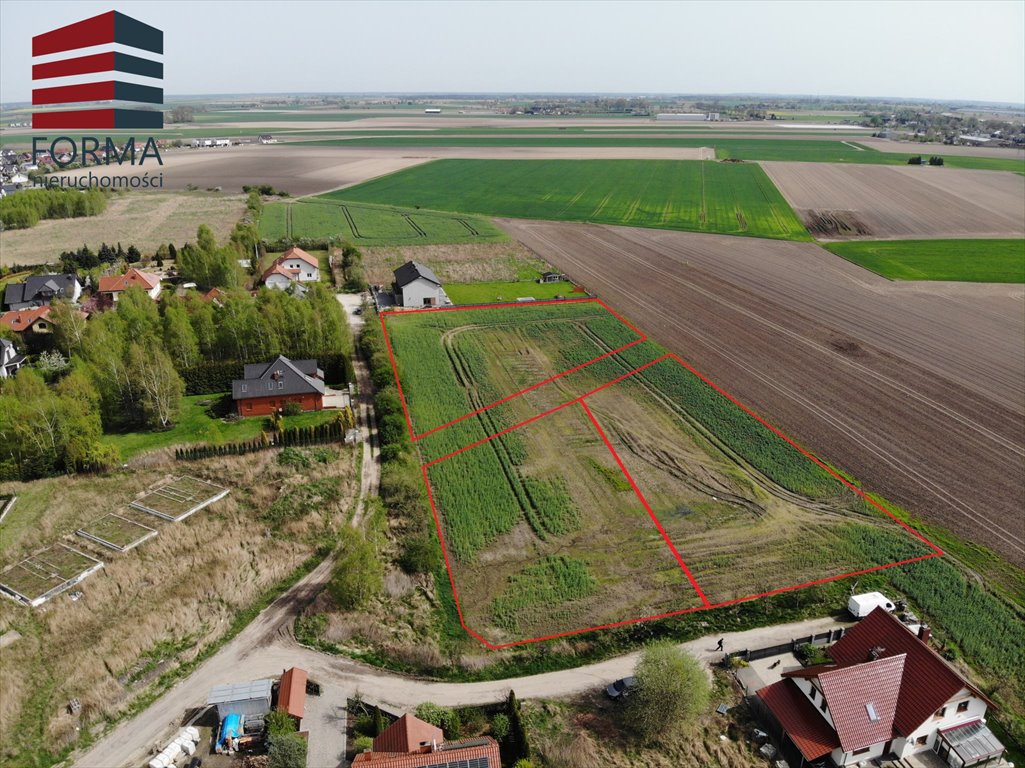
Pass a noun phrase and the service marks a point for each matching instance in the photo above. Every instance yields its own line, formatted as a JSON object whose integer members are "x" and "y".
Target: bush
{"x": 672, "y": 690}
{"x": 293, "y": 457}
{"x": 292, "y": 408}
{"x": 358, "y": 574}
{"x": 363, "y": 743}
{"x": 287, "y": 751}
{"x": 500, "y": 726}
{"x": 279, "y": 723}
{"x": 442, "y": 717}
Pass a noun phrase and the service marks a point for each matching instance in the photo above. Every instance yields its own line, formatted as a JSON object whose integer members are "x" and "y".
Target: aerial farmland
{"x": 582, "y": 477}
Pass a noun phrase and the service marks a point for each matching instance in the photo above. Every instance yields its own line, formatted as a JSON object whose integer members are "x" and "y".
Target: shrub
{"x": 293, "y": 408}
{"x": 500, "y": 726}
{"x": 294, "y": 457}
{"x": 442, "y": 717}
{"x": 363, "y": 743}
{"x": 279, "y": 723}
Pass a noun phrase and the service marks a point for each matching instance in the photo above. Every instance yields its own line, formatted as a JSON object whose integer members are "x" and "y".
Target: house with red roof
{"x": 34, "y": 320}
{"x": 886, "y": 693}
{"x": 293, "y": 266}
{"x": 112, "y": 286}
{"x": 409, "y": 742}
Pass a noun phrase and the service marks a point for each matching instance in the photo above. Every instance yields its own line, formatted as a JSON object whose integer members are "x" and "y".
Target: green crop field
{"x": 736, "y": 199}
{"x": 975, "y": 261}
{"x": 540, "y": 507}
{"x": 372, "y": 225}
{"x": 489, "y": 293}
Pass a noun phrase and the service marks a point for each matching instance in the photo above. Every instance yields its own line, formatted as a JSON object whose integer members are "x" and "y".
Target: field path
{"x": 916, "y": 389}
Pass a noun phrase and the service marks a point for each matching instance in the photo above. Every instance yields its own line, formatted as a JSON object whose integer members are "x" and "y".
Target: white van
{"x": 862, "y": 605}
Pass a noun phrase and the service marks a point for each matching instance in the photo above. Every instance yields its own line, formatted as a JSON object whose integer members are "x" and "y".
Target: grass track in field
{"x": 666, "y": 194}
{"x": 488, "y": 293}
{"x": 372, "y": 225}
{"x": 974, "y": 261}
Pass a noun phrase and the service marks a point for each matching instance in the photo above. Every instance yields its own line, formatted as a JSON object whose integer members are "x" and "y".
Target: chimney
{"x": 875, "y": 652}
{"x": 924, "y": 633}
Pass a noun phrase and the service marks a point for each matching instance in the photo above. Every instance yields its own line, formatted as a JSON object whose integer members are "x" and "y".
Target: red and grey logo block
{"x": 100, "y": 71}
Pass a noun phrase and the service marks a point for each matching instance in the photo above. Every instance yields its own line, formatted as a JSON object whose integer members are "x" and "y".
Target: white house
{"x": 113, "y": 285}
{"x": 885, "y": 693}
{"x": 418, "y": 286}
{"x": 10, "y": 360}
{"x": 293, "y": 266}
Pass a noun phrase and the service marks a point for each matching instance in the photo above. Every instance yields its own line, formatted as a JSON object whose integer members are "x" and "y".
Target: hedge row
{"x": 290, "y": 436}
{"x": 213, "y": 376}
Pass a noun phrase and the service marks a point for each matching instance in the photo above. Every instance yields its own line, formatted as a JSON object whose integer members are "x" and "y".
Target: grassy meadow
{"x": 668, "y": 194}
{"x": 974, "y": 261}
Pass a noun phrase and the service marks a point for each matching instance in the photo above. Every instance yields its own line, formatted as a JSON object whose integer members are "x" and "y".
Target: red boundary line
{"x": 937, "y": 551}
{"x": 644, "y": 502}
{"x": 402, "y": 397}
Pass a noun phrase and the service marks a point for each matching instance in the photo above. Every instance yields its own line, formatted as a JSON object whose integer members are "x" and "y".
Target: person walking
{"x": 719, "y": 647}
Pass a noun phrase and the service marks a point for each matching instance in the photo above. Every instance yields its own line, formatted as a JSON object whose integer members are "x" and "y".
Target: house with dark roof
{"x": 417, "y": 286}
{"x": 885, "y": 693}
{"x": 267, "y": 388}
{"x": 409, "y": 742}
{"x": 40, "y": 290}
{"x": 10, "y": 360}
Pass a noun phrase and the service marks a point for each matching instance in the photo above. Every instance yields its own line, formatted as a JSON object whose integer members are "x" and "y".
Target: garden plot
{"x": 46, "y": 574}
{"x": 116, "y": 532}
{"x": 179, "y": 499}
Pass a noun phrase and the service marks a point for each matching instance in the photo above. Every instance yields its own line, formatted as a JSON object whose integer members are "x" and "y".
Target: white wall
{"x": 307, "y": 272}
{"x": 976, "y": 710}
{"x": 413, "y": 295}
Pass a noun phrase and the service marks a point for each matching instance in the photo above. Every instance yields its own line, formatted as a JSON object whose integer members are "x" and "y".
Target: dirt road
{"x": 917, "y": 389}
{"x": 243, "y": 659}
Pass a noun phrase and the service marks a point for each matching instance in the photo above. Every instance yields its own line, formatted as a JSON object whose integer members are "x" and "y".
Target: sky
{"x": 969, "y": 51}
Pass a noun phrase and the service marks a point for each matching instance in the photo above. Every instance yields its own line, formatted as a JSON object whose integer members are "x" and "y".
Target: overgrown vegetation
{"x": 550, "y": 583}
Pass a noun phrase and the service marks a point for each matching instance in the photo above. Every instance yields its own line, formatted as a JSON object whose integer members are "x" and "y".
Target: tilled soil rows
{"x": 904, "y": 201}
{"x": 916, "y": 389}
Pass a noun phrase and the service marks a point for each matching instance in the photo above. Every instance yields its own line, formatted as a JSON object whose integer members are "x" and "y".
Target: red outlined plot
{"x": 678, "y": 550}
{"x": 641, "y": 336}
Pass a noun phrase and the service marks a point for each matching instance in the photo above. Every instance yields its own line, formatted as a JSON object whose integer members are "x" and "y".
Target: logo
{"x": 102, "y": 72}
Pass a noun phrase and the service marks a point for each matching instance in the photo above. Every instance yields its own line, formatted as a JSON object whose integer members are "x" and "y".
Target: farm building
{"x": 552, "y": 277}
{"x": 885, "y": 692}
{"x": 10, "y": 360}
{"x": 269, "y": 387}
{"x": 40, "y": 290}
{"x": 418, "y": 286}
{"x": 292, "y": 693}
{"x": 247, "y": 699}
{"x": 112, "y": 286}
{"x": 409, "y": 742}
{"x": 266, "y": 138}
{"x": 293, "y": 266}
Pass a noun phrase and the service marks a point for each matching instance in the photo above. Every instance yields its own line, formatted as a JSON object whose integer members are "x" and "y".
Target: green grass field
{"x": 196, "y": 425}
{"x": 372, "y": 225}
{"x": 486, "y": 293}
{"x": 667, "y": 194}
{"x": 973, "y": 261}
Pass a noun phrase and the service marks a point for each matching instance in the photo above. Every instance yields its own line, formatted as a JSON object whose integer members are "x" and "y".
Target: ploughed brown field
{"x": 902, "y": 201}
{"x": 918, "y": 390}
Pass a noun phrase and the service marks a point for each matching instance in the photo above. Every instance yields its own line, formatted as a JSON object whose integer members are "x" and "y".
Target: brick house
{"x": 885, "y": 693}
{"x": 409, "y": 742}
{"x": 268, "y": 387}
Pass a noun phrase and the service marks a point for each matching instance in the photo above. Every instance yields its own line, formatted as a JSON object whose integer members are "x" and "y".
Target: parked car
{"x": 621, "y": 688}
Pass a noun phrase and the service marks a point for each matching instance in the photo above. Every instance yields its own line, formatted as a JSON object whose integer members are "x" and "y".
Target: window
{"x": 962, "y": 707}
{"x": 823, "y": 705}
{"x": 872, "y": 714}
{"x": 921, "y": 741}
{"x": 281, "y": 385}
{"x": 243, "y": 388}
{"x": 270, "y": 385}
{"x": 940, "y": 712}
{"x": 814, "y": 692}
{"x": 861, "y": 751}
